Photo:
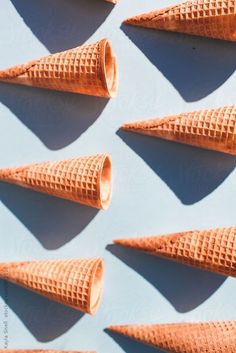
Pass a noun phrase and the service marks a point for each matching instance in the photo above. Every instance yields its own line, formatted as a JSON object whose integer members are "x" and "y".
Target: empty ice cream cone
{"x": 203, "y": 337}
{"x": 207, "y": 18}
{"x": 75, "y": 283}
{"x": 39, "y": 351}
{"x": 88, "y": 69}
{"x": 213, "y": 129}
{"x": 86, "y": 180}
{"x": 213, "y": 250}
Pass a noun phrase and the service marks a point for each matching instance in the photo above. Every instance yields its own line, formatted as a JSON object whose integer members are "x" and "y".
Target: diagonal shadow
{"x": 57, "y": 118}
{"x": 191, "y": 173}
{"x": 131, "y": 346}
{"x": 45, "y": 319}
{"x": 71, "y": 22}
{"x": 53, "y": 221}
{"x": 195, "y": 66}
{"x": 172, "y": 279}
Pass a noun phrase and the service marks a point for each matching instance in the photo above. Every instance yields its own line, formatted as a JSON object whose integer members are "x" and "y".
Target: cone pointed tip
{"x": 110, "y": 328}
{"x": 4, "y": 173}
{"x": 127, "y": 126}
{"x": 124, "y": 127}
{"x": 113, "y": 328}
{"x": 119, "y": 241}
{"x": 129, "y": 21}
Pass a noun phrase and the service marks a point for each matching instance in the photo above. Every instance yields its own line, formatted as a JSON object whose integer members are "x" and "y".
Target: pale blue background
{"x": 159, "y": 187}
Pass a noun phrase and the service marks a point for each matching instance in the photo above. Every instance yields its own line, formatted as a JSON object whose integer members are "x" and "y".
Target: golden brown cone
{"x": 75, "y": 283}
{"x": 86, "y": 180}
{"x": 213, "y": 250}
{"x": 207, "y": 18}
{"x": 39, "y": 351}
{"x": 203, "y": 337}
{"x": 88, "y": 69}
{"x": 213, "y": 129}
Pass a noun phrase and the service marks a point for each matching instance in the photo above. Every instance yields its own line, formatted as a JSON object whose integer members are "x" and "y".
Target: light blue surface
{"x": 159, "y": 187}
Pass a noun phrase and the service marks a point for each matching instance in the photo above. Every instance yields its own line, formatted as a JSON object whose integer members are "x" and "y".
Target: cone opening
{"x": 110, "y": 69}
{"x": 96, "y": 287}
{"x": 106, "y": 182}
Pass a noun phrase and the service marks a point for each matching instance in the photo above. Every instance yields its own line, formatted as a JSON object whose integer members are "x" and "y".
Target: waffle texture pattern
{"x": 78, "y": 70}
{"x": 207, "y": 337}
{"x": 213, "y": 250}
{"x": 78, "y": 179}
{"x": 213, "y": 129}
{"x": 68, "y": 282}
{"x": 207, "y": 18}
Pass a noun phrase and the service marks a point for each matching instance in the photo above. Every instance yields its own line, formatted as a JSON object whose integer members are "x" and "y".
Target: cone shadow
{"x": 56, "y": 118}
{"x": 173, "y": 280}
{"x": 63, "y": 24}
{"x": 195, "y": 66}
{"x": 131, "y": 346}
{"x": 53, "y": 221}
{"x": 191, "y": 173}
{"x": 45, "y": 319}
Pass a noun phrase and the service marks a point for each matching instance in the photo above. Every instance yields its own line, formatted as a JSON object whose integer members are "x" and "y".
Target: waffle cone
{"x": 88, "y": 69}
{"x": 213, "y": 250}
{"x": 205, "y": 337}
{"x": 207, "y": 18}
{"x": 85, "y": 179}
{"x": 38, "y": 351}
{"x": 75, "y": 283}
{"x": 213, "y": 129}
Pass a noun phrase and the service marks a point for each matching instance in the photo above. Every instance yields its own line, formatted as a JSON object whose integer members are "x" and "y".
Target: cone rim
{"x": 96, "y": 286}
{"x": 105, "y": 182}
{"x": 109, "y": 68}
